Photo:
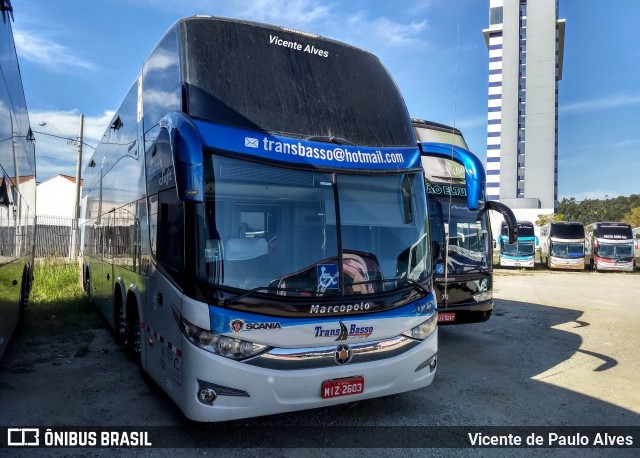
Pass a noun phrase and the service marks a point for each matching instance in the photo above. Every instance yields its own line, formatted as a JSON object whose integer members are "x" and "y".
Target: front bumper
{"x": 247, "y": 390}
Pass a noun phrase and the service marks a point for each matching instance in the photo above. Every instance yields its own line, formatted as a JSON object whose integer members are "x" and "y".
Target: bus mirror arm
{"x": 435, "y": 250}
{"x": 508, "y": 215}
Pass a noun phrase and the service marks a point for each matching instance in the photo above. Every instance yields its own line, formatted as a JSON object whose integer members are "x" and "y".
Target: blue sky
{"x": 81, "y": 56}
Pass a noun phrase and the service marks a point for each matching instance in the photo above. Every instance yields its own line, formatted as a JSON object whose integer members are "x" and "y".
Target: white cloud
{"x": 625, "y": 143}
{"x": 55, "y": 151}
{"x": 469, "y": 123}
{"x": 603, "y": 103}
{"x": 337, "y": 20}
{"x": 290, "y": 12}
{"x": 44, "y": 51}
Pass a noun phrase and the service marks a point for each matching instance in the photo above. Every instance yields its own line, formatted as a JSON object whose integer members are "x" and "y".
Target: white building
{"x": 56, "y": 197}
{"x": 525, "y": 40}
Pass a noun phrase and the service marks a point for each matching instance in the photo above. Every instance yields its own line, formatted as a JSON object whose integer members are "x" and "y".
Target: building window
{"x": 495, "y": 15}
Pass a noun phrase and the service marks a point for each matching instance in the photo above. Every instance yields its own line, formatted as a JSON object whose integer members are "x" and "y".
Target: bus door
{"x": 163, "y": 305}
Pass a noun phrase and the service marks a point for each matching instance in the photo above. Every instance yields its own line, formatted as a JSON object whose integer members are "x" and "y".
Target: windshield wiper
{"x": 329, "y": 139}
{"x": 417, "y": 286}
{"x": 234, "y": 299}
{"x": 414, "y": 284}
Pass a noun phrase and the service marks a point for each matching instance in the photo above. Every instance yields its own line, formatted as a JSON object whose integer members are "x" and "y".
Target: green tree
{"x": 632, "y": 217}
{"x": 590, "y": 211}
{"x": 550, "y": 218}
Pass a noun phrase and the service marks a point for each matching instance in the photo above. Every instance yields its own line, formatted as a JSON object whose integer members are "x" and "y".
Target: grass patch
{"x": 58, "y": 323}
{"x": 56, "y": 289}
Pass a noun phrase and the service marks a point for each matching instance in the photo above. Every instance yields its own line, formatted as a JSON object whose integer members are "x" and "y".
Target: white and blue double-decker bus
{"x": 522, "y": 252}
{"x": 256, "y": 227}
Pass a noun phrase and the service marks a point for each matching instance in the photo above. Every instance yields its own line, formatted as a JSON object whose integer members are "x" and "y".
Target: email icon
{"x": 250, "y": 142}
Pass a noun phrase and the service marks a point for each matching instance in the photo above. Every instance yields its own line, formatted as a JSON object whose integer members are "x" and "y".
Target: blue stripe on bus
{"x": 311, "y": 153}
{"x": 221, "y": 318}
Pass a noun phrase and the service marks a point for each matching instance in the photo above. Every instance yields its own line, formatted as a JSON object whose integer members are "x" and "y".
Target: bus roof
{"x": 282, "y": 81}
{"x": 433, "y": 132}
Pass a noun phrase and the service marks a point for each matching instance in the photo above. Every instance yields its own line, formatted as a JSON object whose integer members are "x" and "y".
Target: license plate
{"x": 446, "y": 317}
{"x": 342, "y": 387}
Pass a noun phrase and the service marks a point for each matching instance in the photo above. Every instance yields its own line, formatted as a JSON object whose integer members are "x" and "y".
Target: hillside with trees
{"x": 589, "y": 211}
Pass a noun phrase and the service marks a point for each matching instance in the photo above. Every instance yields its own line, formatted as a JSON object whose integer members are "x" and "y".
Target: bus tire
{"x": 133, "y": 338}
{"x": 23, "y": 301}
{"x": 86, "y": 285}
{"x": 120, "y": 325}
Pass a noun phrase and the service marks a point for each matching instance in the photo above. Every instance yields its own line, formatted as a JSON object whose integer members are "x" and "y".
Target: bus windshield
{"x": 520, "y": 248}
{"x": 467, "y": 252}
{"x": 615, "y": 250}
{"x": 567, "y": 250}
{"x": 292, "y": 232}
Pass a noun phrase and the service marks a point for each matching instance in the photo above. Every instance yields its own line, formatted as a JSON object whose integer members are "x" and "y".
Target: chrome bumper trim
{"x": 315, "y": 357}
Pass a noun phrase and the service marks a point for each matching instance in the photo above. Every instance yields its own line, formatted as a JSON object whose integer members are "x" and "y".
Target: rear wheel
{"x": 120, "y": 324}
{"x": 86, "y": 285}
{"x": 133, "y": 339}
{"x": 23, "y": 301}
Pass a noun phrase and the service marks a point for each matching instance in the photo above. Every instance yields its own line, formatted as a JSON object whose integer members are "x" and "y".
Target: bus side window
{"x": 170, "y": 233}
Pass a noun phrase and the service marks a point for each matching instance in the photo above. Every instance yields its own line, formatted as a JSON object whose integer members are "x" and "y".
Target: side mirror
{"x": 508, "y": 215}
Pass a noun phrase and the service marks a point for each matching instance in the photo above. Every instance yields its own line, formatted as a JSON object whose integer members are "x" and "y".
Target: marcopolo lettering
{"x": 317, "y": 309}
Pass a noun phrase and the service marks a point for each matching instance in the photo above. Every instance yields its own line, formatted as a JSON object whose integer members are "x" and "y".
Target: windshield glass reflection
{"x": 302, "y": 233}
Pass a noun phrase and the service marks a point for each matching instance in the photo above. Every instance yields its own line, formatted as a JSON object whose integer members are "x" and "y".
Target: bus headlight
{"x": 219, "y": 344}
{"x": 484, "y": 296}
{"x": 424, "y": 329}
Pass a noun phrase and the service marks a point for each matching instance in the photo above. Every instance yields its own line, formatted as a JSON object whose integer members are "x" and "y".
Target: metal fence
{"x": 53, "y": 236}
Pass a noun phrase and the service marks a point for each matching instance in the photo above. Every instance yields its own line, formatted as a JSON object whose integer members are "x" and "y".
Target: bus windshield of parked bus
{"x": 520, "y": 248}
{"x": 615, "y": 250}
{"x": 292, "y": 92}
{"x": 524, "y": 246}
{"x": 467, "y": 249}
{"x": 285, "y": 231}
{"x": 567, "y": 250}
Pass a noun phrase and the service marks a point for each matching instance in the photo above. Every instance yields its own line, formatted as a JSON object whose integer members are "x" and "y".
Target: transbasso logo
{"x": 337, "y": 154}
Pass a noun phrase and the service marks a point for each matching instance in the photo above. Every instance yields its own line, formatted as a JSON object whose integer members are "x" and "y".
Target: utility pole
{"x": 76, "y": 208}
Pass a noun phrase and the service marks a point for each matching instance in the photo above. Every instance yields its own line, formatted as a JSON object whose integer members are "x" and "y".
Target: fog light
{"x": 431, "y": 363}
{"x": 207, "y": 395}
{"x": 434, "y": 363}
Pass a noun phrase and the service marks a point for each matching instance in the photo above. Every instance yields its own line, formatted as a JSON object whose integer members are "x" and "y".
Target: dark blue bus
{"x": 459, "y": 222}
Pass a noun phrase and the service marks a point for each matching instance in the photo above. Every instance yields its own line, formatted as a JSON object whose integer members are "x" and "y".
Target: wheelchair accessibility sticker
{"x": 327, "y": 276}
